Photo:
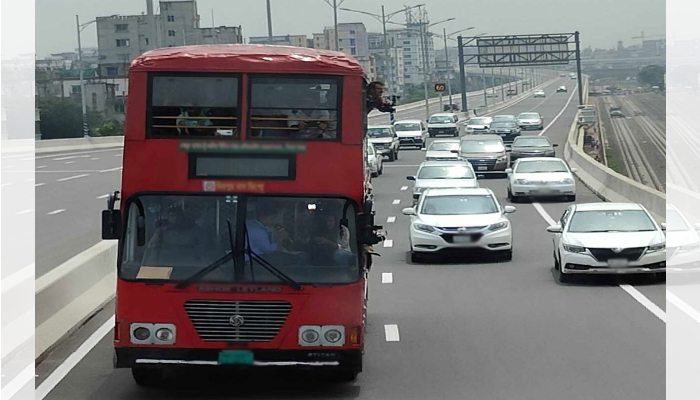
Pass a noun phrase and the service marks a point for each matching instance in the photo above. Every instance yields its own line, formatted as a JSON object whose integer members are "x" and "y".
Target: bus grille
{"x": 237, "y": 321}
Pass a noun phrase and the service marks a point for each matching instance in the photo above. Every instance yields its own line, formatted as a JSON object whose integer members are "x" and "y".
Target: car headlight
{"x": 521, "y": 182}
{"x": 567, "y": 181}
{"x": 501, "y": 158}
{"x": 142, "y": 333}
{"x": 424, "y": 228}
{"x": 656, "y": 247}
{"x": 574, "y": 249}
{"x": 498, "y": 226}
{"x": 690, "y": 247}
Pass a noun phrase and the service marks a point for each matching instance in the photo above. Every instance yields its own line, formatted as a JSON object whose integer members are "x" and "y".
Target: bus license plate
{"x": 236, "y": 357}
{"x": 617, "y": 262}
{"x": 462, "y": 239}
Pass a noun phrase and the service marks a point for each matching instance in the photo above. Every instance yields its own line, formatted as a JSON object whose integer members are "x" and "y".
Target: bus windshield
{"x": 302, "y": 237}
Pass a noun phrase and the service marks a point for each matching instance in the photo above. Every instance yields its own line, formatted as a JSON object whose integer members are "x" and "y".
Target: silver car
{"x": 486, "y": 153}
{"x": 530, "y": 120}
{"x": 385, "y": 140}
{"x": 442, "y": 150}
{"x": 541, "y": 177}
{"x": 443, "y": 174}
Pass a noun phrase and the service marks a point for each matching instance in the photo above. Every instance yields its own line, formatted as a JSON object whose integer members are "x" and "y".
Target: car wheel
{"x": 392, "y": 155}
{"x": 571, "y": 198}
{"x": 431, "y": 135}
{"x": 375, "y": 174}
{"x": 381, "y": 169}
{"x": 416, "y": 257}
{"x": 506, "y": 255}
{"x": 556, "y": 262}
{"x": 564, "y": 278}
{"x": 510, "y": 196}
{"x": 148, "y": 377}
{"x": 396, "y": 154}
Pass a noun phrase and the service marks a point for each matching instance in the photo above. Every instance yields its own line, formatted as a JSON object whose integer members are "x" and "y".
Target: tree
{"x": 652, "y": 75}
{"x": 60, "y": 118}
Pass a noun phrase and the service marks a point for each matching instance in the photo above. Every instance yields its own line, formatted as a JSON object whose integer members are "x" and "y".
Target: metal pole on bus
{"x": 335, "y": 23}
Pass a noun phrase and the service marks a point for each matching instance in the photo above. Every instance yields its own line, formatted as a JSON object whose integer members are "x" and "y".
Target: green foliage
{"x": 652, "y": 75}
{"x": 60, "y": 118}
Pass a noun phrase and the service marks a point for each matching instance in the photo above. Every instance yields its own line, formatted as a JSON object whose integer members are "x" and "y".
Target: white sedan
{"x": 375, "y": 160}
{"x": 607, "y": 238}
{"x": 446, "y": 220}
{"x": 682, "y": 242}
{"x": 443, "y": 174}
{"x": 540, "y": 177}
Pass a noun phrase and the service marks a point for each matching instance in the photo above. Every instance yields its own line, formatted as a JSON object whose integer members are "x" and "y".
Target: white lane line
{"x": 391, "y": 331}
{"x": 403, "y": 188}
{"x": 5, "y": 184}
{"x": 643, "y": 300}
{"x": 396, "y": 201}
{"x": 89, "y": 153}
{"x": 68, "y": 158}
{"x": 112, "y": 169}
{"x": 28, "y": 159}
{"x": 39, "y": 184}
{"x": 18, "y": 278}
{"x": 388, "y": 243}
{"x": 391, "y": 220}
{"x": 54, "y": 212}
{"x": 683, "y": 306}
{"x": 387, "y": 277}
{"x": 636, "y": 294}
{"x": 30, "y": 180}
{"x": 560, "y": 112}
{"x": 41, "y": 166}
{"x": 24, "y": 212}
{"x": 94, "y": 158}
{"x": 104, "y": 196}
{"x": 117, "y": 155}
{"x": 59, "y": 373}
{"x": 72, "y": 177}
{"x": 20, "y": 381}
{"x": 69, "y": 162}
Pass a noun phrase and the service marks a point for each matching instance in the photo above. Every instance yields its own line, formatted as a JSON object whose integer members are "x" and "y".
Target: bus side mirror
{"x": 411, "y": 178}
{"x": 111, "y": 224}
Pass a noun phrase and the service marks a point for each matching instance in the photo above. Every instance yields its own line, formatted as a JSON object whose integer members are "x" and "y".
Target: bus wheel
{"x": 148, "y": 377}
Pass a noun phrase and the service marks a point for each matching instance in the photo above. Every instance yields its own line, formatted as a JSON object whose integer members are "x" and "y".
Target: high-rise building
{"x": 409, "y": 40}
{"x": 122, "y": 38}
{"x": 286, "y": 40}
{"x": 352, "y": 40}
{"x": 389, "y": 69}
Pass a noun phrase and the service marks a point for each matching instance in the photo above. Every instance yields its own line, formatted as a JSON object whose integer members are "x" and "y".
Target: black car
{"x": 531, "y": 146}
{"x": 450, "y": 107}
{"x": 507, "y": 130}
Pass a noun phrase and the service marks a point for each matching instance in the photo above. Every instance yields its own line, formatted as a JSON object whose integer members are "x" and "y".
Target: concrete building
{"x": 352, "y": 39}
{"x": 122, "y": 38}
{"x": 288, "y": 40}
{"x": 319, "y": 41}
{"x": 410, "y": 41}
{"x": 388, "y": 70}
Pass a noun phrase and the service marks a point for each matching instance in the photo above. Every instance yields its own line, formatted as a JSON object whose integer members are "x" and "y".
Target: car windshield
{"x": 459, "y": 205}
{"x": 482, "y": 146}
{"x": 370, "y": 150}
{"x": 503, "y": 125}
{"x": 531, "y": 142}
{"x": 528, "y": 116}
{"x": 407, "y": 127}
{"x": 379, "y": 132}
{"x": 302, "y": 237}
{"x": 504, "y": 118}
{"x": 674, "y": 222}
{"x": 445, "y": 172}
{"x": 440, "y": 119}
{"x": 443, "y": 146}
{"x": 541, "y": 166}
{"x": 610, "y": 221}
{"x": 478, "y": 121}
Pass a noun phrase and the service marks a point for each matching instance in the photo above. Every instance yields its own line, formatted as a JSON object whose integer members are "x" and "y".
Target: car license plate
{"x": 236, "y": 357}
{"x": 617, "y": 262}
{"x": 462, "y": 239}
{"x": 441, "y": 131}
{"x": 482, "y": 168}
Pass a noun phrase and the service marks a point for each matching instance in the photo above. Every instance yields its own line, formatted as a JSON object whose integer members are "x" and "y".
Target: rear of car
{"x": 541, "y": 177}
{"x": 374, "y": 160}
{"x": 385, "y": 140}
{"x": 478, "y": 125}
{"x": 443, "y": 174}
{"x": 530, "y": 120}
{"x": 442, "y": 150}
{"x": 531, "y": 146}
{"x": 443, "y": 124}
{"x": 411, "y": 132}
{"x": 486, "y": 153}
{"x": 539, "y": 93}
{"x": 561, "y": 89}
{"x": 508, "y": 131}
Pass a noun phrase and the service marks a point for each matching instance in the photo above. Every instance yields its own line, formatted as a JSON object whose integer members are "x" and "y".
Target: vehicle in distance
{"x": 682, "y": 242}
{"x": 531, "y": 146}
{"x": 541, "y": 177}
{"x": 385, "y": 140}
{"x": 486, "y": 153}
{"x": 562, "y": 75}
{"x": 413, "y": 132}
{"x": 443, "y": 124}
{"x": 504, "y": 118}
{"x": 491, "y": 95}
{"x": 540, "y": 93}
{"x": 507, "y": 130}
{"x": 478, "y": 125}
{"x": 616, "y": 112}
{"x": 442, "y": 150}
{"x": 443, "y": 174}
{"x": 561, "y": 89}
{"x": 530, "y": 120}
{"x": 572, "y": 75}
{"x": 450, "y": 107}
{"x": 607, "y": 238}
{"x": 446, "y": 220}
{"x": 375, "y": 161}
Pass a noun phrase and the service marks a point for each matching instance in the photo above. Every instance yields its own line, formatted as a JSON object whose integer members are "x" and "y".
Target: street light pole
{"x": 335, "y": 24}
{"x": 447, "y": 68}
{"x": 86, "y": 130}
{"x": 387, "y": 64}
{"x": 269, "y": 22}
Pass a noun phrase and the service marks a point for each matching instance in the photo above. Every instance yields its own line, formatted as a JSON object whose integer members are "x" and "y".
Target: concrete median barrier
{"x": 73, "y": 292}
{"x": 90, "y": 143}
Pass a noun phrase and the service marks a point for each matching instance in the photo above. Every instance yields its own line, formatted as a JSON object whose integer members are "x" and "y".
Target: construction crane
{"x": 643, "y": 37}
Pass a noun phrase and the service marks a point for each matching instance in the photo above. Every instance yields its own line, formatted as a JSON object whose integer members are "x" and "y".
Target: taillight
{"x": 354, "y": 335}
{"x": 116, "y": 332}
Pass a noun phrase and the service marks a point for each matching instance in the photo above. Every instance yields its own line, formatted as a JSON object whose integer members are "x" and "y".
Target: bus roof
{"x": 247, "y": 58}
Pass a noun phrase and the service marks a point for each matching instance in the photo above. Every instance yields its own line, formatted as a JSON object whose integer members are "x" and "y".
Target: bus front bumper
{"x": 347, "y": 359}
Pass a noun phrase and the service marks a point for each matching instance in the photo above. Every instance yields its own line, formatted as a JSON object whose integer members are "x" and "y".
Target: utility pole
{"x": 269, "y": 22}
{"x": 447, "y": 68}
{"x": 503, "y": 96}
{"x": 493, "y": 85}
{"x": 387, "y": 62}
{"x": 86, "y": 130}
{"x": 578, "y": 68}
{"x": 335, "y": 24}
{"x": 462, "y": 76}
{"x": 425, "y": 62}
{"x": 483, "y": 81}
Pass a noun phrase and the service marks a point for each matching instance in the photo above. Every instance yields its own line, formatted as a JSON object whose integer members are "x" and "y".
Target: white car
{"x": 607, "y": 238}
{"x": 412, "y": 132}
{"x": 539, "y": 93}
{"x": 682, "y": 242}
{"x": 561, "y": 89}
{"x": 457, "y": 219}
{"x": 478, "y": 125}
{"x": 443, "y": 150}
{"x": 530, "y": 120}
{"x": 541, "y": 177}
{"x": 443, "y": 174}
{"x": 375, "y": 160}
{"x": 385, "y": 140}
{"x": 443, "y": 124}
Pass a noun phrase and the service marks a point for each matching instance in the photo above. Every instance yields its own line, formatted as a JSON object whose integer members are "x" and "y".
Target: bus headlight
{"x": 309, "y": 335}
{"x": 165, "y": 335}
{"x": 145, "y": 333}
{"x": 326, "y": 335}
{"x": 142, "y": 333}
{"x": 333, "y": 335}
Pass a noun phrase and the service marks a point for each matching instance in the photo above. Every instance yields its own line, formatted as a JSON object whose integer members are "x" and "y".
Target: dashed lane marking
{"x": 54, "y": 212}
{"x": 391, "y": 220}
{"x": 387, "y": 277}
{"x": 396, "y": 201}
{"x": 72, "y": 177}
{"x": 391, "y": 332}
{"x": 388, "y": 243}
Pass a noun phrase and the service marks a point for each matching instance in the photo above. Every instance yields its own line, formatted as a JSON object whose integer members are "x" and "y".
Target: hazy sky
{"x": 601, "y": 22}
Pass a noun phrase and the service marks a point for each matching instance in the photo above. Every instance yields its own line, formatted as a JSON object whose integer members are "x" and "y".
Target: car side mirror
{"x": 554, "y": 229}
{"x": 574, "y": 169}
{"x": 454, "y": 151}
{"x": 509, "y": 170}
{"x": 111, "y": 224}
{"x": 697, "y": 226}
{"x": 411, "y": 178}
{"x": 408, "y": 211}
{"x": 555, "y": 145}
{"x": 509, "y": 209}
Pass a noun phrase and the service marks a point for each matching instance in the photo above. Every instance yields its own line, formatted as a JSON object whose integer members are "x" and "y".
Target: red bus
{"x": 245, "y": 219}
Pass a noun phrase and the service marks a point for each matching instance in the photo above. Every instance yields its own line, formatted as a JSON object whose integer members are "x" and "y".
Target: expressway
{"x": 459, "y": 329}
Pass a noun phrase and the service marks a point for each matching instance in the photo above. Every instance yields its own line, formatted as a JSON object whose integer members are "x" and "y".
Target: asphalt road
{"x": 469, "y": 329}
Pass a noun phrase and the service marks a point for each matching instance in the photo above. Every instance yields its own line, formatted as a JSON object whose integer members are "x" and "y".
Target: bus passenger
{"x": 263, "y": 236}
{"x": 179, "y": 232}
{"x": 189, "y": 119}
{"x": 331, "y": 237}
{"x": 375, "y": 99}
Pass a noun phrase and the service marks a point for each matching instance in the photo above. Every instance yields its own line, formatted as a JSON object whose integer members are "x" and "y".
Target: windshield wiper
{"x": 211, "y": 267}
{"x": 269, "y": 267}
